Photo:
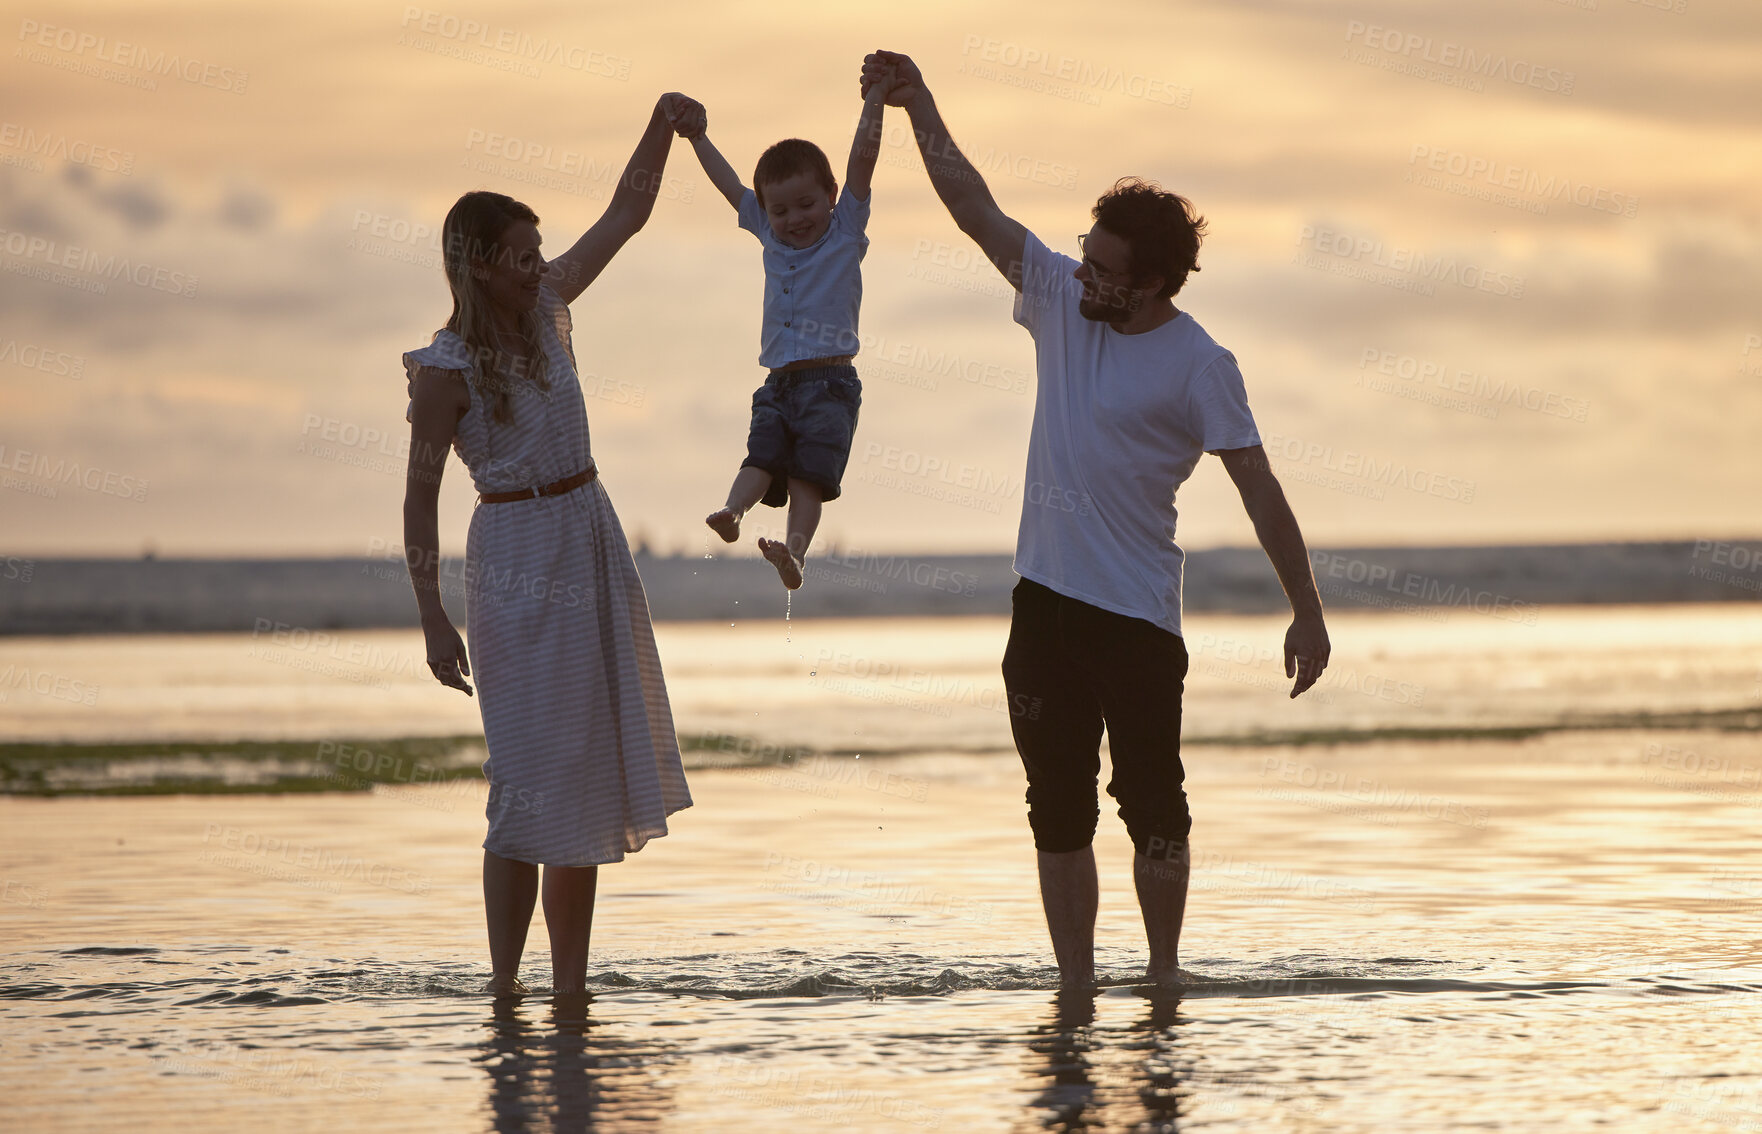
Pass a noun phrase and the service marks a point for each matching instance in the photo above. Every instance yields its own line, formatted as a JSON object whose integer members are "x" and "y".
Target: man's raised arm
{"x": 953, "y": 177}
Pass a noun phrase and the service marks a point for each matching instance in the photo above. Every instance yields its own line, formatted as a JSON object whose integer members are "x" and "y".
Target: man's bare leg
{"x": 568, "y": 894}
{"x": 804, "y": 521}
{"x": 1162, "y": 898}
{"x": 510, "y": 889}
{"x": 749, "y": 488}
{"x": 1070, "y": 893}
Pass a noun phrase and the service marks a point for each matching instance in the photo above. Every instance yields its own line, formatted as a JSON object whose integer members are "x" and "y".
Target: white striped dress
{"x": 583, "y": 761}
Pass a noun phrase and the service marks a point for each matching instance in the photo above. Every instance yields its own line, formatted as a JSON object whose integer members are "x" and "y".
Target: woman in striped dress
{"x": 583, "y": 762}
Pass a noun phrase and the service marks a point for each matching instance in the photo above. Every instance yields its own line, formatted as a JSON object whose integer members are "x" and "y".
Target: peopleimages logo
{"x": 1417, "y": 51}
{"x": 520, "y": 50}
{"x": 1414, "y": 371}
{"x": 108, "y": 266}
{"x": 1552, "y": 188}
{"x": 1068, "y": 76}
{"x": 1422, "y": 589}
{"x": 1368, "y": 467}
{"x": 53, "y": 146}
{"x": 1438, "y": 269}
{"x": 50, "y": 472}
{"x": 132, "y": 56}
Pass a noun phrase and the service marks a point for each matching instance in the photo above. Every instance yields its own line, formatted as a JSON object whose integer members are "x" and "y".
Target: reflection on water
{"x": 1125, "y": 1080}
{"x": 553, "y": 1066}
{"x": 209, "y": 1033}
{"x": 1118, "y": 1081}
{"x": 1156, "y": 1055}
{"x": 1063, "y": 1046}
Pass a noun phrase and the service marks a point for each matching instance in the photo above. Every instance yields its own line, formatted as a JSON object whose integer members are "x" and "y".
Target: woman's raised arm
{"x": 631, "y": 203}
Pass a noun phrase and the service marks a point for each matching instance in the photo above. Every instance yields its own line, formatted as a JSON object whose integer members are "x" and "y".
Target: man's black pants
{"x": 1072, "y": 669}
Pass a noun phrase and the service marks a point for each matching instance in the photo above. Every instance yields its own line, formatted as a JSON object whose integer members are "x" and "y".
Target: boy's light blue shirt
{"x": 811, "y": 294}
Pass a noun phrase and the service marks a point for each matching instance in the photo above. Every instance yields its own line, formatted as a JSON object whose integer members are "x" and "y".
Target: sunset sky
{"x": 1493, "y": 271}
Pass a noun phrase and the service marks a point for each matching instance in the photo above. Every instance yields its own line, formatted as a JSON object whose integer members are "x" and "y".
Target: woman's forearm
{"x": 422, "y": 553}
{"x": 634, "y": 198}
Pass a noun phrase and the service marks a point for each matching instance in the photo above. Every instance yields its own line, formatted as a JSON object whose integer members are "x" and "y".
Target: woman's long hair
{"x": 471, "y": 234}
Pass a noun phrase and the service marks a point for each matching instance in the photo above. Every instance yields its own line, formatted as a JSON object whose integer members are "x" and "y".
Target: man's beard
{"x": 1119, "y": 305}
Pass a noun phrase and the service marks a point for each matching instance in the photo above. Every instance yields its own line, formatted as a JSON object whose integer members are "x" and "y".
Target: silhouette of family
{"x": 584, "y": 764}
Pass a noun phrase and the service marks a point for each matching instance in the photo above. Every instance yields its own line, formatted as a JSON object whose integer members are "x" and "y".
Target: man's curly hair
{"x": 1161, "y": 228}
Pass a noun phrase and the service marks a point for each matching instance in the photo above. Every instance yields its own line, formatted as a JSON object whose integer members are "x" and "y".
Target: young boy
{"x": 806, "y": 412}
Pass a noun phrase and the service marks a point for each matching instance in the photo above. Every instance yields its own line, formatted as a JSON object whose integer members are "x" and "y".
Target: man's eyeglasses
{"x": 1096, "y": 269}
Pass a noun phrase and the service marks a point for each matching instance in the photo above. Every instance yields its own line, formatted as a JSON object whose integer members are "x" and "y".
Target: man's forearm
{"x": 1275, "y": 525}
{"x": 962, "y": 189}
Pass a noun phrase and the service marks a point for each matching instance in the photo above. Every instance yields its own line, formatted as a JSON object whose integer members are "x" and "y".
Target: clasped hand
{"x": 685, "y": 116}
{"x": 896, "y": 74}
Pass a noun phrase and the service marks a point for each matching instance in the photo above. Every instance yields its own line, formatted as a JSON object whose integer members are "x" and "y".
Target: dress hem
{"x": 628, "y": 850}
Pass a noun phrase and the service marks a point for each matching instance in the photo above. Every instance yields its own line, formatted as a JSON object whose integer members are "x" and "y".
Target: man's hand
{"x": 897, "y": 75}
{"x": 1306, "y": 652}
{"x": 685, "y": 116}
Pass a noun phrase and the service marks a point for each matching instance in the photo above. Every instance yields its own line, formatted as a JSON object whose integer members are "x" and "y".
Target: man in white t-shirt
{"x": 1131, "y": 393}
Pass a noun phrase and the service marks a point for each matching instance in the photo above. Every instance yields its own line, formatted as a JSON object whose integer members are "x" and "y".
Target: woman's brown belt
{"x": 567, "y": 484}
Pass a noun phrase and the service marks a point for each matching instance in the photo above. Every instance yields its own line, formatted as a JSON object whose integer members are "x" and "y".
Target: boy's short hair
{"x": 1160, "y": 227}
{"x": 788, "y": 158}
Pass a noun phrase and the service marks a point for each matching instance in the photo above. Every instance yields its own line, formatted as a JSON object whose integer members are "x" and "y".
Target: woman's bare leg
{"x": 749, "y": 488}
{"x": 569, "y": 893}
{"x": 510, "y": 888}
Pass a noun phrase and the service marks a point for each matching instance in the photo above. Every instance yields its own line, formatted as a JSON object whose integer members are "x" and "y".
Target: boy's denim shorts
{"x": 803, "y": 422}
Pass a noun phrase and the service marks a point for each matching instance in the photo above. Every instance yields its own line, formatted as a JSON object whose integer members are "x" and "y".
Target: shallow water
{"x": 1559, "y": 932}
{"x": 1554, "y": 936}
{"x": 907, "y": 683}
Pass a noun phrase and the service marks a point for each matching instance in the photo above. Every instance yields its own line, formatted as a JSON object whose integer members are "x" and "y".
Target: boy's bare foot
{"x": 788, "y": 566}
{"x": 725, "y": 523}
{"x": 506, "y": 986}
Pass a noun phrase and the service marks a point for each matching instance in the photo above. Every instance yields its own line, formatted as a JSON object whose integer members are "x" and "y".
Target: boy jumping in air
{"x": 804, "y": 416}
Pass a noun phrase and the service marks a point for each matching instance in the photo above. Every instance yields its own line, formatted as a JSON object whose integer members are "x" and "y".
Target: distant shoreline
{"x": 61, "y": 596}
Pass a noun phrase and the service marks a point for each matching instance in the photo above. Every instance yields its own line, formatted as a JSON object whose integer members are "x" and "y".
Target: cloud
{"x": 141, "y": 206}
{"x": 309, "y": 248}
{"x": 247, "y": 209}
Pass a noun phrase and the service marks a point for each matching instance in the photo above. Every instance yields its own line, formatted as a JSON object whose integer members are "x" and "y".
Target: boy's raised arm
{"x": 721, "y": 174}
{"x": 866, "y": 146}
